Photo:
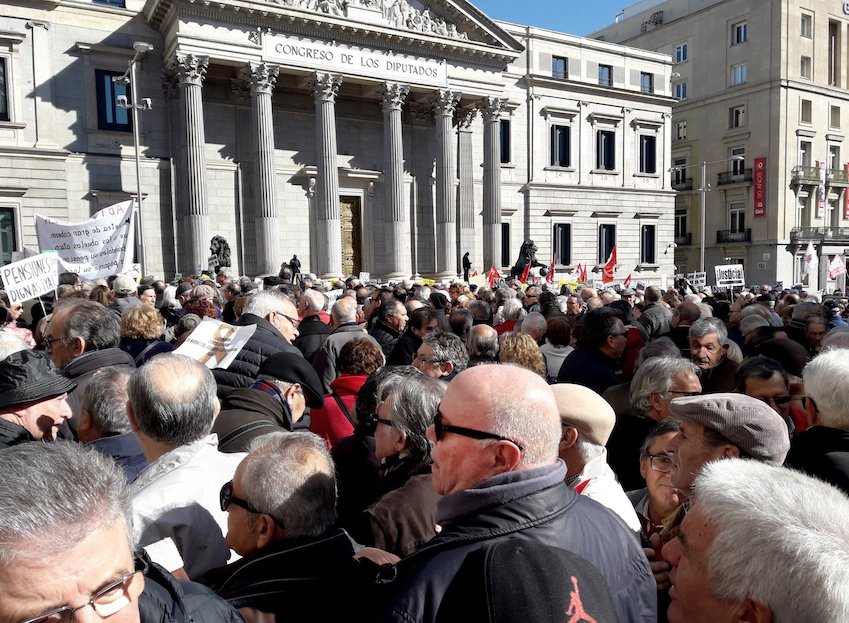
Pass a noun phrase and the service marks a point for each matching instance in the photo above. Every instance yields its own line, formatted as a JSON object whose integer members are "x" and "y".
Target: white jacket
{"x": 603, "y": 487}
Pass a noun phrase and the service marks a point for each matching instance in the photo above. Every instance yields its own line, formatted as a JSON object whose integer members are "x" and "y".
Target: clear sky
{"x": 576, "y": 17}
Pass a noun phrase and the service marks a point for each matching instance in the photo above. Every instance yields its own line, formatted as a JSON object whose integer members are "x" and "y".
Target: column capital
{"x": 392, "y": 95}
{"x": 464, "y": 117}
{"x": 188, "y": 68}
{"x": 444, "y": 102}
{"x": 492, "y": 107}
{"x": 325, "y": 86}
{"x": 260, "y": 77}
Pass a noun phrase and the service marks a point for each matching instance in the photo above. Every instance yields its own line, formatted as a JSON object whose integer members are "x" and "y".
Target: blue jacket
{"x": 126, "y": 451}
{"x": 533, "y": 504}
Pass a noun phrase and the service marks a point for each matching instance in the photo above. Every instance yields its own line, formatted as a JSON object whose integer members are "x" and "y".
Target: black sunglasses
{"x": 439, "y": 430}
{"x": 226, "y": 498}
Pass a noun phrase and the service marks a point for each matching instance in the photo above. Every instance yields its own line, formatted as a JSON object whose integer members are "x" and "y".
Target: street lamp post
{"x": 131, "y": 77}
{"x": 704, "y": 187}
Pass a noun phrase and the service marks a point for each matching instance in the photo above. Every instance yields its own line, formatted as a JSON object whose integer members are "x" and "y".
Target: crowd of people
{"x": 409, "y": 452}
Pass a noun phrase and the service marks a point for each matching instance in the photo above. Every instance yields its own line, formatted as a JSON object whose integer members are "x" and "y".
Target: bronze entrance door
{"x": 351, "y": 218}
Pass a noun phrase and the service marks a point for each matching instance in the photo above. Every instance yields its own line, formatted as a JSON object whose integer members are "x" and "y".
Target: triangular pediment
{"x": 448, "y": 24}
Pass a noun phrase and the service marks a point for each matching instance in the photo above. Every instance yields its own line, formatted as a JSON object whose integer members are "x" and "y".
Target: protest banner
{"x": 730, "y": 276}
{"x": 215, "y": 344}
{"x": 31, "y": 277}
{"x": 98, "y": 247}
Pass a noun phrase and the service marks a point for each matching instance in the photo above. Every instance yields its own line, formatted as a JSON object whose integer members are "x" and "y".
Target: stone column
{"x": 193, "y": 231}
{"x": 392, "y": 97}
{"x": 466, "y": 204}
{"x": 444, "y": 103}
{"x": 491, "y": 108}
{"x": 328, "y": 255}
{"x": 262, "y": 79}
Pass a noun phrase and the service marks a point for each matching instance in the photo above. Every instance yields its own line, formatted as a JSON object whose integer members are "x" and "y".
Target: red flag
{"x": 525, "y": 273}
{"x": 580, "y": 273}
{"x": 627, "y": 280}
{"x": 609, "y": 268}
{"x": 549, "y": 276}
{"x": 492, "y": 275}
{"x": 475, "y": 274}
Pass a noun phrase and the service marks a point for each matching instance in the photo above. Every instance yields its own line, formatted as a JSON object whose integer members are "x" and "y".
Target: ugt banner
{"x": 760, "y": 187}
{"x": 98, "y": 247}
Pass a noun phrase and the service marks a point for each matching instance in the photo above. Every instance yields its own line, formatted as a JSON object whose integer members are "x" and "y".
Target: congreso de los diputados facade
{"x": 382, "y": 136}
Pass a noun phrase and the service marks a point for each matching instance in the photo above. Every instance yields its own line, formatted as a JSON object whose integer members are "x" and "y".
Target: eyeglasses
{"x": 384, "y": 421}
{"x": 439, "y": 430}
{"x": 681, "y": 392}
{"x": 426, "y": 360}
{"x": 295, "y": 321}
{"x": 109, "y": 600}
{"x": 622, "y": 334}
{"x": 660, "y": 463}
{"x": 226, "y": 498}
{"x": 779, "y": 400}
{"x": 48, "y": 342}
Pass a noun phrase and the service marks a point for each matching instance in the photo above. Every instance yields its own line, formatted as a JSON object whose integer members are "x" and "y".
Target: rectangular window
{"x": 681, "y": 53}
{"x": 8, "y": 234}
{"x": 834, "y": 157}
{"x": 805, "y": 114}
{"x": 605, "y": 75}
{"x": 560, "y": 146}
{"x": 648, "y": 244}
{"x": 805, "y": 153}
{"x": 4, "y": 90}
{"x": 738, "y": 74}
{"x": 646, "y": 82}
{"x": 681, "y": 90}
{"x": 806, "y": 29}
{"x": 110, "y": 116}
{"x": 680, "y": 130}
{"x": 559, "y": 67}
{"x": 737, "y": 217}
{"x": 737, "y": 117}
{"x": 505, "y": 141}
{"x": 648, "y": 154}
{"x": 505, "y": 245}
{"x": 738, "y": 160}
{"x": 805, "y": 67}
{"x": 563, "y": 243}
{"x": 834, "y": 116}
{"x": 834, "y": 53}
{"x": 739, "y": 32}
{"x": 606, "y": 242}
{"x": 605, "y": 157}
{"x": 680, "y": 222}
{"x": 679, "y": 171}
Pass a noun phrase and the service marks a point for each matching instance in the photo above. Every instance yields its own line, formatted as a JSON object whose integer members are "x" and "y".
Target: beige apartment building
{"x": 380, "y": 136}
{"x": 763, "y": 99}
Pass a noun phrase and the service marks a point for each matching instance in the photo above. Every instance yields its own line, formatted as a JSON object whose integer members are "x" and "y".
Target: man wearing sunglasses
{"x": 66, "y": 553}
{"x": 495, "y": 463}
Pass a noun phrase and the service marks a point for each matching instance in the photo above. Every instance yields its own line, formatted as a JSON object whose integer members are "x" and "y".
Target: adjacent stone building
{"x": 379, "y": 136}
{"x": 762, "y": 97}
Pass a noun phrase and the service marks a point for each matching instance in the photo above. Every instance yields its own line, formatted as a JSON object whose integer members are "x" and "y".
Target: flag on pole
{"x": 810, "y": 261}
{"x": 474, "y": 274}
{"x": 627, "y": 282}
{"x": 580, "y": 273}
{"x": 837, "y": 267}
{"x": 549, "y": 276}
{"x": 492, "y": 275}
{"x": 525, "y": 273}
{"x": 607, "y": 273}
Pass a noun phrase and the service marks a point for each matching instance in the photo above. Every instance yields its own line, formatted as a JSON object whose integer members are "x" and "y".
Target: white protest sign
{"x": 730, "y": 276}
{"x": 215, "y": 344}
{"x": 698, "y": 280}
{"x": 98, "y": 247}
{"x": 31, "y": 277}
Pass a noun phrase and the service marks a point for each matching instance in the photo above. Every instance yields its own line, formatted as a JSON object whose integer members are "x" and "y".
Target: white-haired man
{"x": 708, "y": 350}
{"x": 313, "y": 331}
{"x": 823, "y": 449}
{"x": 495, "y": 463}
{"x": 771, "y": 548}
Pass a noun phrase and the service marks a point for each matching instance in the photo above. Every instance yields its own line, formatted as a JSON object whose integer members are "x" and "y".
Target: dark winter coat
{"x": 822, "y": 452}
{"x": 248, "y": 413}
{"x": 591, "y": 368}
{"x": 312, "y": 333}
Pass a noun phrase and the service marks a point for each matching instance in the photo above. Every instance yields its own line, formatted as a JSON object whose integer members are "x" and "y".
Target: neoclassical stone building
{"x": 383, "y": 136}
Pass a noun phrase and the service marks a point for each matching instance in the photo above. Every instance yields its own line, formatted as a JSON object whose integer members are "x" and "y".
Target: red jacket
{"x": 330, "y": 422}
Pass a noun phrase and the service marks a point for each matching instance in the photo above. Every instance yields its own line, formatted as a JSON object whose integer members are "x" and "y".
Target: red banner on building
{"x": 760, "y": 186}
{"x": 846, "y": 196}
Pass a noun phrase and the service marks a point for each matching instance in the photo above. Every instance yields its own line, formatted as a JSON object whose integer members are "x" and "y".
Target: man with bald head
{"x": 482, "y": 345}
{"x": 495, "y": 462}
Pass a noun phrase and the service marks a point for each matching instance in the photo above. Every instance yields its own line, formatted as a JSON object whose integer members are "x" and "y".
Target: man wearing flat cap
{"x": 285, "y": 386}
{"x": 586, "y": 421}
{"x": 33, "y": 398}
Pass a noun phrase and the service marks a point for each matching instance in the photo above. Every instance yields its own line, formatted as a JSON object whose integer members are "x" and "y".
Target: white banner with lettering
{"x": 337, "y": 58}
{"x": 31, "y": 277}
{"x": 98, "y": 247}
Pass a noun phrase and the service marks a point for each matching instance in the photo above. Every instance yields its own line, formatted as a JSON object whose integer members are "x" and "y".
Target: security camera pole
{"x": 141, "y": 48}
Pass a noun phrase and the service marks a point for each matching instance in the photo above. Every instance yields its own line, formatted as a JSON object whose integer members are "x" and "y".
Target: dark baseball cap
{"x": 293, "y": 368}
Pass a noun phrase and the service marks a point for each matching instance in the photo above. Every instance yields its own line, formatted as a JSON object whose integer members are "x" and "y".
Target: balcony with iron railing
{"x": 837, "y": 177}
{"x": 803, "y": 174}
{"x": 686, "y": 239}
{"x": 731, "y": 177}
{"x": 731, "y": 235}
{"x": 814, "y": 234}
{"x": 682, "y": 183}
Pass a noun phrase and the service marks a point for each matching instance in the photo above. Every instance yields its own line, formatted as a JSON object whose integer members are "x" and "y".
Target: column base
{"x": 331, "y": 276}
{"x": 396, "y": 276}
{"x": 445, "y": 276}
